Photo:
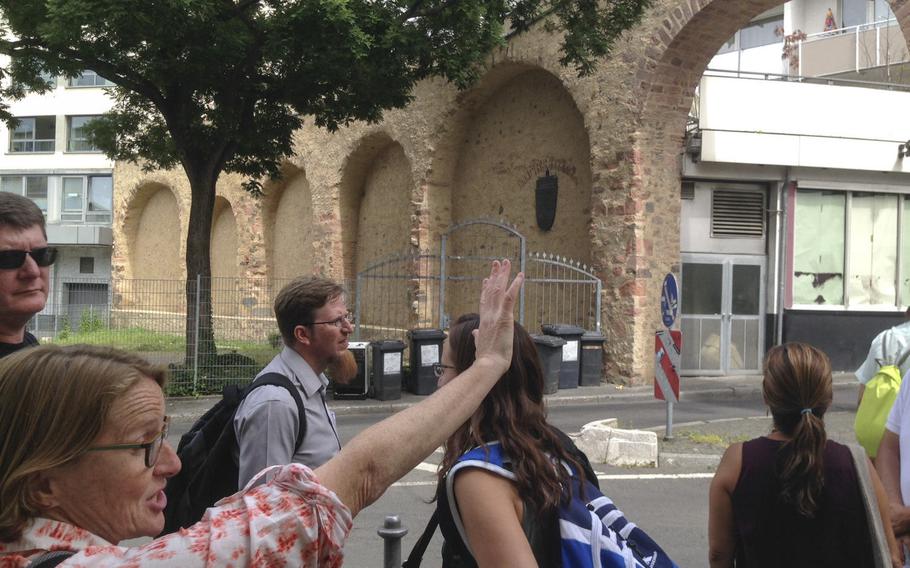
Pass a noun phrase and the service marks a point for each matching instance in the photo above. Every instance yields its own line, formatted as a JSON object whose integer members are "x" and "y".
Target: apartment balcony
{"x": 869, "y": 52}
{"x": 789, "y": 121}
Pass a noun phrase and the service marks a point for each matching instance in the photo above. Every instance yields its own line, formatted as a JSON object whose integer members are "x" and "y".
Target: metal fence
{"x": 408, "y": 291}
{"x": 149, "y": 317}
{"x": 389, "y": 297}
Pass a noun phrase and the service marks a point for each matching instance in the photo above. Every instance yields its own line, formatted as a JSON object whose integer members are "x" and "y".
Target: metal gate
{"x": 424, "y": 290}
{"x": 467, "y": 250}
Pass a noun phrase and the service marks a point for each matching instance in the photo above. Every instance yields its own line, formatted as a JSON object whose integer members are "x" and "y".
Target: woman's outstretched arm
{"x": 385, "y": 452}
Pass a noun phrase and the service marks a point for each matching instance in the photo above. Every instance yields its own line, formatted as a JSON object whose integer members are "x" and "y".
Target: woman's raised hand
{"x": 497, "y": 301}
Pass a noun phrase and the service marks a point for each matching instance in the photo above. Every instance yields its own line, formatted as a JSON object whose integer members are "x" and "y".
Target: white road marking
{"x": 424, "y": 466}
{"x": 601, "y": 476}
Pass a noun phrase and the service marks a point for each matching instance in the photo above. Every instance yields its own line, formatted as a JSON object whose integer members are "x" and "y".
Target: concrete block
{"x": 604, "y": 443}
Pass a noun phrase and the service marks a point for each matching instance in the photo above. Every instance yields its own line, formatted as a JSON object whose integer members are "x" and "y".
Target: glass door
{"x": 721, "y": 314}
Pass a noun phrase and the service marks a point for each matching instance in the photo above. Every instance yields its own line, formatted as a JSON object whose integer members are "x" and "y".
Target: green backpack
{"x": 878, "y": 398}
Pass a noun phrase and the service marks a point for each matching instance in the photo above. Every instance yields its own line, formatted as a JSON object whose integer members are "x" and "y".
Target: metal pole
{"x": 668, "y": 435}
{"x": 392, "y": 532}
{"x": 358, "y": 292}
{"x": 442, "y": 283}
{"x": 196, "y": 335}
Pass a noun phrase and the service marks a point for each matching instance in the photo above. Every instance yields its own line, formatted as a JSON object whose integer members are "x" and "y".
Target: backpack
{"x": 209, "y": 471}
{"x": 584, "y": 511}
{"x": 878, "y": 398}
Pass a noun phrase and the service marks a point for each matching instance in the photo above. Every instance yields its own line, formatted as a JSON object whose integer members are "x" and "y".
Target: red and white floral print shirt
{"x": 290, "y": 521}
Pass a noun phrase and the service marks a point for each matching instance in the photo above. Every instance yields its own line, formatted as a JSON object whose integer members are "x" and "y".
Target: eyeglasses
{"x": 12, "y": 259}
{"x": 338, "y": 322}
{"x": 152, "y": 449}
{"x": 439, "y": 369}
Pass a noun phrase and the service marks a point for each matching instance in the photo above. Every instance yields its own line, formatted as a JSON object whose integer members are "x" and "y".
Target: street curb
{"x": 641, "y": 394}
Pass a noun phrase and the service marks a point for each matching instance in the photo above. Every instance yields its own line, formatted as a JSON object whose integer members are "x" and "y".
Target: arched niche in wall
{"x": 223, "y": 244}
{"x": 527, "y": 126}
{"x": 152, "y": 229}
{"x": 288, "y": 219}
{"x": 375, "y": 203}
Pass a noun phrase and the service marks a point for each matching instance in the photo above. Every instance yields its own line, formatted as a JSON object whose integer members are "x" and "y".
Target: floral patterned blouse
{"x": 290, "y": 521}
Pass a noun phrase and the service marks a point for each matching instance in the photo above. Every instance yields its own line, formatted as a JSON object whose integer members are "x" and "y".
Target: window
{"x": 100, "y": 199}
{"x": 73, "y": 199}
{"x": 854, "y": 13}
{"x": 86, "y": 265}
{"x": 34, "y": 134}
{"x": 12, "y": 184}
{"x": 76, "y": 136}
{"x": 872, "y": 249}
{"x": 846, "y": 248}
{"x": 757, "y": 34}
{"x": 883, "y": 10}
{"x": 87, "y": 199}
{"x": 36, "y": 190}
{"x": 89, "y": 78}
{"x": 818, "y": 248}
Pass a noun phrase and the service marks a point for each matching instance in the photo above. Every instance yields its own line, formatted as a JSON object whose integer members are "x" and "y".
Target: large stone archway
{"x": 624, "y": 125}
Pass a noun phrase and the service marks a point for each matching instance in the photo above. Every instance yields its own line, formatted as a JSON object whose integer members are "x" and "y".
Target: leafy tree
{"x": 221, "y": 85}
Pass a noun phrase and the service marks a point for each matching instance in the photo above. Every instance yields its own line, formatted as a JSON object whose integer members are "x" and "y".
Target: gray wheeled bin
{"x": 592, "y": 358}
{"x": 387, "y": 369}
{"x": 426, "y": 349}
{"x": 569, "y": 370}
{"x": 549, "y": 347}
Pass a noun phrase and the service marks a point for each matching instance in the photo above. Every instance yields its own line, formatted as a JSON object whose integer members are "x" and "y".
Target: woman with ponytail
{"x": 792, "y": 498}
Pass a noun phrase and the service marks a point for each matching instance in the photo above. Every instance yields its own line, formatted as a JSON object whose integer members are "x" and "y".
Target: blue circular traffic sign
{"x": 669, "y": 300}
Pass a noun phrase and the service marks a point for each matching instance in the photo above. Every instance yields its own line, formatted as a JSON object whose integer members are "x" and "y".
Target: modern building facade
{"x": 48, "y": 159}
{"x": 795, "y": 216}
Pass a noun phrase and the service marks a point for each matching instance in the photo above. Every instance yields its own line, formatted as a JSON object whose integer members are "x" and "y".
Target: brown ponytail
{"x": 797, "y": 389}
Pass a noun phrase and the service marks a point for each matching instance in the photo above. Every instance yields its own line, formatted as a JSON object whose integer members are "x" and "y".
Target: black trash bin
{"x": 592, "y": 358}
{"x": 358, "y": 387}
{"x": 569, "y": 370}
{"x": 426, "y": 349}
{"x": 549, "y": 347}
{"x": 387, "y": 369}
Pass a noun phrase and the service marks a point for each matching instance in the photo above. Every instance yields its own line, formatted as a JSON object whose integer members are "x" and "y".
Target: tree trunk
{"x": 200, "y": 336}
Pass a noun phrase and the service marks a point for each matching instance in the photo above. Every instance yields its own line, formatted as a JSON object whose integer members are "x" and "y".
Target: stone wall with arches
{"x": 613, "y": 138}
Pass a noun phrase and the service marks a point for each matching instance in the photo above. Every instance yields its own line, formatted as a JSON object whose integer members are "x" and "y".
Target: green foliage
{"x": 90, "y": 321}
{"x": 205, "y": 83}
{"x": 222, "y": 85}
{"x": 65, "y": 330}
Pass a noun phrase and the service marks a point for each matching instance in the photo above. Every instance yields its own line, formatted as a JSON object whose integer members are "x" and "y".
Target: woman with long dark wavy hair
{"x": 502, "y": 521}
{"x": 792, "y": 498}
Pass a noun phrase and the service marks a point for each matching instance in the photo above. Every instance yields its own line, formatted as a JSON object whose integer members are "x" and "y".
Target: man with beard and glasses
{"x": 25, "y": 261}
{"x": 314, "y": 322}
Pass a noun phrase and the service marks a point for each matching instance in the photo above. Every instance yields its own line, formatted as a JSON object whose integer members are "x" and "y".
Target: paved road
{"x": 672, "y": 507}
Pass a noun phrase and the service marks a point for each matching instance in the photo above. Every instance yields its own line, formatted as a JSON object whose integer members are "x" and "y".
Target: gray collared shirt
{"x": 266, "y": 421}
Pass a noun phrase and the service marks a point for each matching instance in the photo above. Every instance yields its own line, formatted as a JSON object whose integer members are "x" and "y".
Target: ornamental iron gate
{"x": 422, "y": 290}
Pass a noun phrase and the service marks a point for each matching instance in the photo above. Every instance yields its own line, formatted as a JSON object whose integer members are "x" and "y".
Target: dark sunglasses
{"x": 13, "y": 259}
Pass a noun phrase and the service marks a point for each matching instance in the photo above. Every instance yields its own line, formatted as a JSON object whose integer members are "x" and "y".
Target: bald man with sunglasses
{"x": 25, "y": 261}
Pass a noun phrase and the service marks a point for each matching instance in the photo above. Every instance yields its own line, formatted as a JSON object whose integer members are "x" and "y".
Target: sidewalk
{"x": 693, "y": 389}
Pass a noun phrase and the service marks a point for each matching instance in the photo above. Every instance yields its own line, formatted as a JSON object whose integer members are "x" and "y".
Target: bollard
{"x": 392, "y": 532}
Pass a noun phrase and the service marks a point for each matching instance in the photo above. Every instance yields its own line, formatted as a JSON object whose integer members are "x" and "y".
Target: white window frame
{"x": 31, "y": 143}
{"x": 899, "y": 301}
{"x": 97, "y": 81}
{"x": 83, "y": 215}
{"x": 70, "y": 138}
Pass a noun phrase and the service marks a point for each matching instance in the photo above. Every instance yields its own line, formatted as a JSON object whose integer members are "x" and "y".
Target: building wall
{"x": 632, "y": 109}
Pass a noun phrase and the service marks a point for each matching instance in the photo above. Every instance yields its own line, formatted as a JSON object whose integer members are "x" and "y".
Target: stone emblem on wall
{"x": 545, "y": 196}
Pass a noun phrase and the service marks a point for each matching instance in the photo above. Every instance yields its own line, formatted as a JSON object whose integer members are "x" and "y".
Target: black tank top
{"x": 770, "y": 532}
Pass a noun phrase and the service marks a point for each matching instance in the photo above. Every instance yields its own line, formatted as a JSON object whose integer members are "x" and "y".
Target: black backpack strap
{"x": 279, "y": 380}
{"x": 416, "y": 555}
{"x": 51, "y": 559}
